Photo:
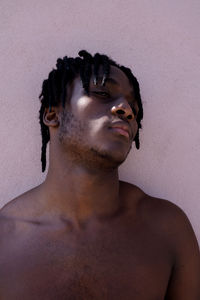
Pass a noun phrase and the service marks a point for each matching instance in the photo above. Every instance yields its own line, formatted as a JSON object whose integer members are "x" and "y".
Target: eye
{"x": 102, "y": 94}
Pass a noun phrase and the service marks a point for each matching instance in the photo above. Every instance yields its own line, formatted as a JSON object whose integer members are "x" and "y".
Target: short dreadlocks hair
{"x": 54, "y": 89}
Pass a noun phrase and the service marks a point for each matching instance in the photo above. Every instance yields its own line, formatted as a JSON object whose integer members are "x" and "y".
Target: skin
{"x": 83, "y": 234}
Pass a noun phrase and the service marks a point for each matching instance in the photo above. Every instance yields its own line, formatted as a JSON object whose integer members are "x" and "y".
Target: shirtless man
{"x": 83, "y": 234}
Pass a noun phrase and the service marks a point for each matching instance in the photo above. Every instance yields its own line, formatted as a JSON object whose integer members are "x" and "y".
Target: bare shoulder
{"x": 21, "y": 206}
{"x": 18, "y": 213}
{"x": 165, "y": 215}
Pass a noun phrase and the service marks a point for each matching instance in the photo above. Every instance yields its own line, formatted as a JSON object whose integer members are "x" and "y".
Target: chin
{"x": 109, "y": 157}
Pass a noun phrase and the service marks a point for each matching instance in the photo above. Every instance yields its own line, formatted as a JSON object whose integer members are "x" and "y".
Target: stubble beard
{"x": 71, "y": 137}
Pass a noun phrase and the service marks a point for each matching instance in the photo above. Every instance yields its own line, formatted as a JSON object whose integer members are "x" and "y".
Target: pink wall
{"x": 158, "y": 39}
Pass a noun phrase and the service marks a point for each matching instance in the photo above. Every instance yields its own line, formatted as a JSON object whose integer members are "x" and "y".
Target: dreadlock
{"x": 54, "y": 89}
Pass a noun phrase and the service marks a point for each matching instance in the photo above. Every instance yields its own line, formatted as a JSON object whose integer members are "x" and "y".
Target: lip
{"x": 121, "y": 128}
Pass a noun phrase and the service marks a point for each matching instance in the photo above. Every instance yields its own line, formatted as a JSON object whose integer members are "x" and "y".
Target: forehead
{"x": 117, "y": 78}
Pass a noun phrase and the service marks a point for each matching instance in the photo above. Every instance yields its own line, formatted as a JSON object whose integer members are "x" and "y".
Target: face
{"x": 101, "y": 126}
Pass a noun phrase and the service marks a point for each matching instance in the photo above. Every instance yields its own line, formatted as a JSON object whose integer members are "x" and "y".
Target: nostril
{"x": 120, "y": 112}
{"x": 129, "y": 117}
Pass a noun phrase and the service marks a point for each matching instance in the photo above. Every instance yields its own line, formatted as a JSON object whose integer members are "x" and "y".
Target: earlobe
{"x": 50, "y": 119}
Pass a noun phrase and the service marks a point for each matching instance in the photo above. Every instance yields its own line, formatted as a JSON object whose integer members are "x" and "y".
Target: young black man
{"x": 83, "y": 234}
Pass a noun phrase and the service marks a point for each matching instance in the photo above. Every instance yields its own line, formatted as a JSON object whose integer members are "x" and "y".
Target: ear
{"x": 50, "y": 118}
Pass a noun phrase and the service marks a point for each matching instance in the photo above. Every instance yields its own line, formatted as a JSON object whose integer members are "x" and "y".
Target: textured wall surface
{"x": 158, "y": 39}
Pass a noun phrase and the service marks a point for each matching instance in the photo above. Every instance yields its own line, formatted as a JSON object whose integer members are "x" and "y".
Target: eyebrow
{"x": 110, "y": 80}
{"x": 114, "y": 82}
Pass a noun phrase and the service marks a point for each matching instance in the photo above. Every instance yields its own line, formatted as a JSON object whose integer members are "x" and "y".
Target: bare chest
{"x": 109, "y": 265}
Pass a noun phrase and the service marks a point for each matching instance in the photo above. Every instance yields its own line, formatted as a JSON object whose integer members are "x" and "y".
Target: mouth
{"x": 121, "y": 129}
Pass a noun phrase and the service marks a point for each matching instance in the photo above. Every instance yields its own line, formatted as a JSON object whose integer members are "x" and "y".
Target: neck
{"x": 80, "y": 192}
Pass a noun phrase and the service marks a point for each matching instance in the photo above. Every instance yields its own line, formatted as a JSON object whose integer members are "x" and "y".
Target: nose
{"x": 123, "y": 110}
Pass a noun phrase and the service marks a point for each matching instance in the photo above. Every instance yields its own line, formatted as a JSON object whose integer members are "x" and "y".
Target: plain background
{"x": 158, "y": 39}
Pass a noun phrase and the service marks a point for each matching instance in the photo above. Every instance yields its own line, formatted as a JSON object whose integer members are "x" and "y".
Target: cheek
{"x": 134, "y": 128}
{"x": 86, "y": 108}
{"x": 82, "y": 106}
{"x": 98, "y": 125}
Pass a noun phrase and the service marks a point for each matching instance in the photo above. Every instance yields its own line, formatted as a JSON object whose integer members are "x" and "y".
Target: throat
{"x": 82, "y": 194}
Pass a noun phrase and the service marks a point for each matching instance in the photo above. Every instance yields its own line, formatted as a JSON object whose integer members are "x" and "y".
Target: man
{"x": 83, "y": 234}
